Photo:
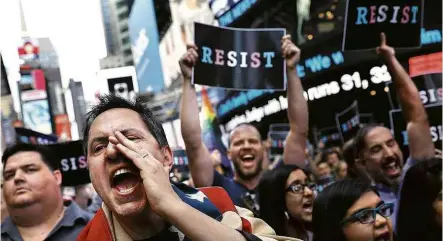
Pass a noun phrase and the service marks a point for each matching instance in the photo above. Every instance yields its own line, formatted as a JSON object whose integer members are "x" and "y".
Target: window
{"x": 127, "y": 52}
{"x": 122, "y": 15}
{"x": 121, "y": 4}
{"x": 125, "y": 40}
{"x": 124, "y": 29}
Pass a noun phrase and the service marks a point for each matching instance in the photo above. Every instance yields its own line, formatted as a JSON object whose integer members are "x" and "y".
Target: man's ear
{"x": 228, "y": 153}
{"x": 168, "y": 159}
{"x": 58, "y": 176}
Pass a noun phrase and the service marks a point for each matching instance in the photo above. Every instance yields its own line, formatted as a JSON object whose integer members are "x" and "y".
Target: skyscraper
{"x": 115, "y": 15}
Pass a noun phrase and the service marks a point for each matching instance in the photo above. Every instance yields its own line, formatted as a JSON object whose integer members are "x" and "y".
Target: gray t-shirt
{"x": 72, "y": 223}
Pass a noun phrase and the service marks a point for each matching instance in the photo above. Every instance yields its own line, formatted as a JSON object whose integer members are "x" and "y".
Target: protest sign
{"x": 398, "y": 126}
{"x": 429, "y": 87}
{"x": 348, "y": 122}
{"x": 277, "y": 135}
{"x": 24, "y": 135}
{"x": 72, "y": 162}
{"x": 330, "y": 136}
{"x": 400, "y": 20}
{"x": 239, "y": 58}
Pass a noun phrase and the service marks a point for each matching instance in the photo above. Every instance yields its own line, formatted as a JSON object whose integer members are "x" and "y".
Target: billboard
{"x": 36, "y": 115}
{"x": 119, "y": 81}
{"x": 145, "y": 46}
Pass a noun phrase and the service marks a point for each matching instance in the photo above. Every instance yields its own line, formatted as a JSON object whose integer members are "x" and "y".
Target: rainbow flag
{"x": 208, "y": 111}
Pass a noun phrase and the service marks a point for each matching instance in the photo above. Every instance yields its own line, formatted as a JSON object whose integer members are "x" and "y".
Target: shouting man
{"x": 129, "y": 161}
{"x": 376, "y": 147}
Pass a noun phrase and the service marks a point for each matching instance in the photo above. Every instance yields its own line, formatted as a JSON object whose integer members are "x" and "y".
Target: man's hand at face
{"x": 155, "y": 177}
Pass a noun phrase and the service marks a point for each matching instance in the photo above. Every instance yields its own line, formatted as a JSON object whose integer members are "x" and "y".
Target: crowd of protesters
{"x": 364, "y": 190}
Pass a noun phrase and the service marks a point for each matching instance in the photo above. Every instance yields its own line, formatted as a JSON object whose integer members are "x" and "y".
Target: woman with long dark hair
{"x": 351, "y": 210}
{"x": 286, "y": 199}
{"x": 420, "y": 206}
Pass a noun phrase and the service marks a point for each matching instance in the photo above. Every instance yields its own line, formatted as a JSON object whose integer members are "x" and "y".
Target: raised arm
{"x": 199, "y": 157}
{"x": 419, "y": 136}
{"x": 294, "y": 152}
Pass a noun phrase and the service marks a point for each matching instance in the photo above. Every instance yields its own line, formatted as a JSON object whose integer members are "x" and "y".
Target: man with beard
{"x": 34, "y": 199}
{"x": 375, "y": 145}
{"x": 246, "y": 149}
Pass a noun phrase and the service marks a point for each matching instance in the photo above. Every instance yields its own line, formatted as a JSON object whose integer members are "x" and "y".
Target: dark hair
{"x": 44, "y": 152}
{"x": 326, "y": 154}
{"x": 349, "y": 157}
{"x": 360, "y": 137}
{"x": 272, "y": 197}
{"x": 416, "y": 215}
{"x": 331, "y": 205}
{"x": 107, "y": 102}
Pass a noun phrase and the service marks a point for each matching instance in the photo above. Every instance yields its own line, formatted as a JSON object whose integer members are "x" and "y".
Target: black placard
{"x": 400, "y": 20}
{"x": 72, "y": 162}
{"x": 330, "y": 136}
{"x": 239, "y": 58}
{"x": 278, "y": 141}
{"x": 429, "y": 88}
{"x": 348, "y": 122}
{"x": 398, "y": 126}
{"x": 24, "y": 135}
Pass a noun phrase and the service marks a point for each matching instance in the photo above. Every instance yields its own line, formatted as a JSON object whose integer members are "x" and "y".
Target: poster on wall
{"x": 239, "y": 58}
{"x": 348, "y": 122}
{"x": 119, "y": 81}
{"x": 400, "y": 20}
{"x": 37, "y": 116}
{"x": 398, "y": 126}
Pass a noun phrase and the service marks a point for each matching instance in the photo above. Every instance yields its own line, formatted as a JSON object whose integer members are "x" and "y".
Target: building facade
{"x": 115, "y": 15}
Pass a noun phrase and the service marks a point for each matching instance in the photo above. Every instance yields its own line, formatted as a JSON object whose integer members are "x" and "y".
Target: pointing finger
{"x": 382, "y": 39}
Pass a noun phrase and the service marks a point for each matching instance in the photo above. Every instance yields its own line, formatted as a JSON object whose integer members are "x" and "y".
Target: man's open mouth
{"x": 391, "y": 168}
{"x": 248, "y": 160}
{"x": 125, "y": 180}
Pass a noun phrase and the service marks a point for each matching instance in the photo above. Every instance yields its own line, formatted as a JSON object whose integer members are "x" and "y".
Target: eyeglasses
{"x": 368, "y": 215}
{"x": 298, "y": 188}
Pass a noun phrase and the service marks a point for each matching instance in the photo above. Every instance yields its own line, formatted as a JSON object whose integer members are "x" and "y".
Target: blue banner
{"x": 145, "y": 46}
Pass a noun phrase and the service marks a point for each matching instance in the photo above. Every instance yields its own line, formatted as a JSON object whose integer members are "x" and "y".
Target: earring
{"x": 286, "y": 215}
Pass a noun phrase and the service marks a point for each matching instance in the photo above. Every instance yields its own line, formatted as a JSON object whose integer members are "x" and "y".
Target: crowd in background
{"x": 363, "y": 190}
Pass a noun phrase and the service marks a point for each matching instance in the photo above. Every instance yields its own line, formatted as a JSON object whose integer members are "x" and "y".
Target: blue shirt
{"x": 240, "y": 195}
{"x": 72, "y": 223}
{"x": 388, "y": 196}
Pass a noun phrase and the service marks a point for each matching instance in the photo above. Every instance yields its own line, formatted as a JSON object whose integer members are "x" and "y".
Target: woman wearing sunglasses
{"x": 286, "y": 199}
{"x": 351, "y": 210}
